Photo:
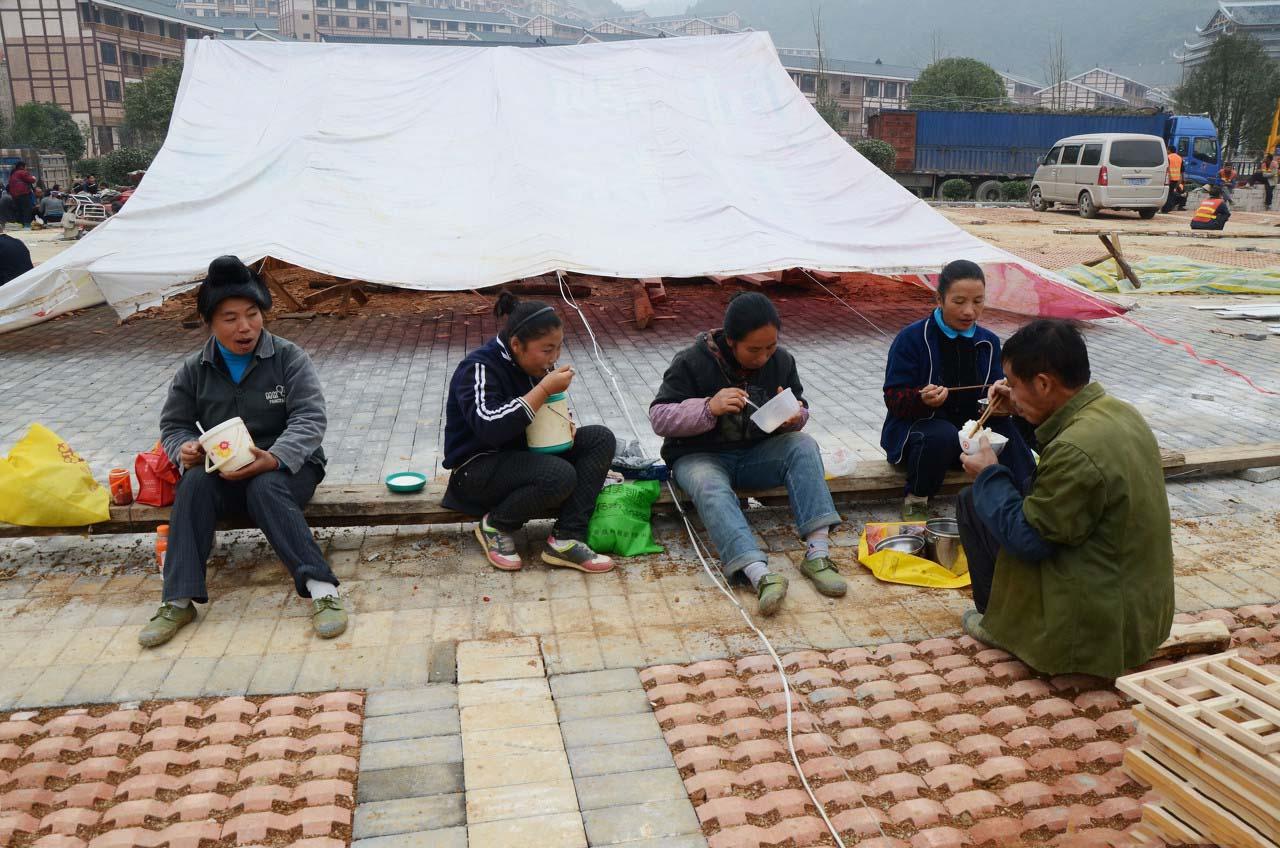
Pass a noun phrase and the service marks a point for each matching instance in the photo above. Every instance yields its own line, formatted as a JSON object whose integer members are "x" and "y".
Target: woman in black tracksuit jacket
{"x": 493, "y": 396}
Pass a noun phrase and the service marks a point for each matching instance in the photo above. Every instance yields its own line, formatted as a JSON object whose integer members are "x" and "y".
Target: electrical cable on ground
{"x": 721, "y": 584}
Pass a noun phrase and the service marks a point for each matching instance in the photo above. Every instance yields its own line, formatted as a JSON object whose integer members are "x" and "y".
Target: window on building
{"x": 451, "y": 26}
{"x": 175, "y": 30}
{"x": 342, "y": 21}
{"x": 846, "y": 87}
{"x": 486, "y": 27}
{"x": 363, "y": 23}
{"x": 382, "y": 23}
{"x": 808, "y": 83}
{"x": 306, "y": 16}
{"x": 260, "y": 4}
{"x": 111, "y": 18}
{"x": 891, "y": 90}
{"x": 340, "y": 4}
{"x": 435, "y": 25}
{"x": 113, "y": 91}
{"x": 873, "y": 88}
{"x": 362, "y": 5}
{"x": 136, "y": 23}
{"x": 106, "y": 141}
{"x": 306, "y": 36}
{"x": 399, "y": 23}
{"x": 109, "y": 56}
{"x": 322, "y": 20}
{"x": 273, "y": 6}
{"x": 844, "y": 117}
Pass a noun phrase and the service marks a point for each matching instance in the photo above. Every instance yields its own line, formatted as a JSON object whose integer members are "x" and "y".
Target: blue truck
{"x": 986, "y": 148}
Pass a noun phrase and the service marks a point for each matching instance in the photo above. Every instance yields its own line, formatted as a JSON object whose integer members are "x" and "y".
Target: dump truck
{"x": 986, "y": 148}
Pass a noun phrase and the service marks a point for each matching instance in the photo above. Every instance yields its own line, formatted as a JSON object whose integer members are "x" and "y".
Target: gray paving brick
{"x": 276, "y": 674}
{"x": 231, "y": 676}
{"x": 609, "y": 730}
{"x": 633, "y": 787}
{"x": 409, "y": 782}
{"x": 407, "y": 815}
{"x": 594, "y": 682}
{"x": 655, "y": 819}
{"x": 447, "y": 837}
{"x": 411, "y": 752}
{"x": 411, "y": 725}
{"x": 623, "y": 757}
{"x": 393, "y": 701}
{"x": 688, "y": 840}
{"x": 626, "y": 702}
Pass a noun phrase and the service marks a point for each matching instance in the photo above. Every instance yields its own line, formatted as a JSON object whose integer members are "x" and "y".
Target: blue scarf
{"x": 947, "y": 331}
{"x": 237, "y": 363}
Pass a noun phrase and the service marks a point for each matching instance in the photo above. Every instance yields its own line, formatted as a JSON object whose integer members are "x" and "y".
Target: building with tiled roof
{"x": 858, "y": 88}
{"x": 1259, "y": 19}
{"x": 85, "y": 68}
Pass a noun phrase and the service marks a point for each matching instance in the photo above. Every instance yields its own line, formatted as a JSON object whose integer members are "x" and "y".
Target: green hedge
{"x": 956, "y": 189}
{"x": 877, "y": 152}
{"x": 1014, "y": 190}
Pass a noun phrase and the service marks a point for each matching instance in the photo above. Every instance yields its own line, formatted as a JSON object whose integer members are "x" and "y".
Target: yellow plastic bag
{"x": 897, "y": 567}
{"x": 44, "y": 483}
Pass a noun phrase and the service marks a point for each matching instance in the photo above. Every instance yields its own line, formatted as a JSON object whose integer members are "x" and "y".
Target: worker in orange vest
{"x": 1177, "y": 192}
{"x": 1213, "y": 212}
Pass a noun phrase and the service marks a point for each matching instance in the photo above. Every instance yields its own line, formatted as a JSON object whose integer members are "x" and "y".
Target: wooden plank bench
{"x": 368, "y": 505}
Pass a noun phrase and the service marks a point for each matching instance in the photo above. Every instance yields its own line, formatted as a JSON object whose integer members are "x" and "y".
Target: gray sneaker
{"x": 165, "y": 624}
{"x": 499, "y": 548}
{"x": 328, "y": 617}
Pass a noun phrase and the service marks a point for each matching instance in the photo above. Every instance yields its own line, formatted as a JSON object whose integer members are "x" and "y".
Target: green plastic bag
{"x": 621, "y": 523}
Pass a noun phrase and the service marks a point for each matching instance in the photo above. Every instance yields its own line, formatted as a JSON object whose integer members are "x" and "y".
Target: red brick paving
{"x": 231, "y": 771}
{"x": 938, "y": 744}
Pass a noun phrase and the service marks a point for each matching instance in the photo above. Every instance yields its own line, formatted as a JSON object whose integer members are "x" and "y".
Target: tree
{"x": 1055, "y": 71}
{"x": 148, "y": 105}
{"x": 1237, "y": 85}
{"x": 47, "y": 126}
{"x": 824, "y": 101}
{"x": 877, "y": 152}
{"x": 957, "y": 83}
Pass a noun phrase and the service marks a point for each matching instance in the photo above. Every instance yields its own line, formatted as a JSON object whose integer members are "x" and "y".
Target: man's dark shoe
{"x": 771, "y": 592}
{"x": 328, "y": 617}
{"x": 165, "y": 624}
{"x": 826, "y": 579}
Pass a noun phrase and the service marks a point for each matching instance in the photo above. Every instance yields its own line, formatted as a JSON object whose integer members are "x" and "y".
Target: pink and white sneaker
{"x": 571, "y": 553}
{"x": 499, "y": 548}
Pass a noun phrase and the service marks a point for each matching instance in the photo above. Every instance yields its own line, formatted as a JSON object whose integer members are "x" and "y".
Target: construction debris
{"x": 1210, "y": 748}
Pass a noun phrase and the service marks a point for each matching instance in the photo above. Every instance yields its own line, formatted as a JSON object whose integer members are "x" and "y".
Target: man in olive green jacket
{"x": 1077, "y": 574}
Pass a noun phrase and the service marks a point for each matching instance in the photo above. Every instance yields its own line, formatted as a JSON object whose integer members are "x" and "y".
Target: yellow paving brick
{"x": 508, "y": 714}
{"x": 86, "y": 645}
{"x": 514, "y": 802}
{"x": 532, "y": 618}
{"x": 488, "y": 772}
{"x": 513, "y": 741}
{"x": 501, "y": 691}
{"x": 571, "y": 615}
{"x": 251, "y": 638}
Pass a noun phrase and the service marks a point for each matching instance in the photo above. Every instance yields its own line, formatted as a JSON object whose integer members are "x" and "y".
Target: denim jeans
{"x": 791, "y": 459}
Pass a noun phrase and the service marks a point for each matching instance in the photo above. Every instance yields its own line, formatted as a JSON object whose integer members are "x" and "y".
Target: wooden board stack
{"x": 1210, "y": 748}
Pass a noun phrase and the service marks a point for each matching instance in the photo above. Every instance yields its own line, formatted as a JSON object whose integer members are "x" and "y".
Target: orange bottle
{"x": 162, "y": 544}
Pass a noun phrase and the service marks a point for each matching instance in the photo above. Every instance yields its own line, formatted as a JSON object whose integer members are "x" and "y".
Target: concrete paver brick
{"x": 521, "y": 801}
{"x": 410, "y": 782}
{"x": 610, "y": 825}
{"x": 592, "y": 732}
{"x": 594, "y": 682}
{"x": 613, "y": 790}
{"x": 558, "y": 830}
{"x": 541, "y": 767}
{"x": 412, "y": 725}
{"x": 619, "y": 758}
{"x": 406, "y": 815}
{"x": 448, "y": 837}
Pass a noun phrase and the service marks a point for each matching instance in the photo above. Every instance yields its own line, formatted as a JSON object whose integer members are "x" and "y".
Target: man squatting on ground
{"x": 243, "y": 371}
{"x": 1074, "y": 573}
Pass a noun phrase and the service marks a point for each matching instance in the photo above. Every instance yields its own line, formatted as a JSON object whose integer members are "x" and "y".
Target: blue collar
{"x": 947, "y": 331}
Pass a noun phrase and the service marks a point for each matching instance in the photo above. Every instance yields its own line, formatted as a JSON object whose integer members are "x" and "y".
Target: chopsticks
{"x": 962, "y": 388}
{"x": 983, "y": 420}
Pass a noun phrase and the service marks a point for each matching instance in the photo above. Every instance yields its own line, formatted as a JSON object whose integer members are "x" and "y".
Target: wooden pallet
{"x": 1210, "y": 731}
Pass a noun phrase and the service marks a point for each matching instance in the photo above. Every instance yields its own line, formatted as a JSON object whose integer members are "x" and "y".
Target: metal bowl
{"x": 943, "y": 537}
{"x": 904, "y": 544}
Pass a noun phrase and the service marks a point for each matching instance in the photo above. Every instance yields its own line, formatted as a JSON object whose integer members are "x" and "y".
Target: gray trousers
{"x": 273, "y": 500}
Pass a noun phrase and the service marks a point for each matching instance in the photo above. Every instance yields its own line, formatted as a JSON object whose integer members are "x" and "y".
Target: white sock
{"x": 755, "y": 572}
{"x": 321, "y": 590}
{"x": 818, "y": 543}
{"x": 181, "y": 603}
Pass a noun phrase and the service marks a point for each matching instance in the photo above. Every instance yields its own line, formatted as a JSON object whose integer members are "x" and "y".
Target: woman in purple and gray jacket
{"x": 713, "y": 447}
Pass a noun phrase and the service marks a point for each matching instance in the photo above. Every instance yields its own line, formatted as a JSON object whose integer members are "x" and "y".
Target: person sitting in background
{"x": 938, "y": 368}
{"x": 1265, "y": 176}
{"x": 50, "y": 208}
{"x": 1212, "y": 213}
{"x": 493, "y": 397}
{"x": 1073, "y": 573}
{"x": 713, "y": 447}
{"x": 15, "y": 258}
{"x": 246, "y": 372}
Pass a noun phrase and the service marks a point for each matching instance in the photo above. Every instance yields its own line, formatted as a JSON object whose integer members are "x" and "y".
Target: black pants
{"x": 516, "y": 486}
{"x": 933, "y": 449}
{"x": 981, "y": 549}
{"x": 1258, "y": 179}
{"x": 273, "y": 500}
{"x": 1177, "y": 197}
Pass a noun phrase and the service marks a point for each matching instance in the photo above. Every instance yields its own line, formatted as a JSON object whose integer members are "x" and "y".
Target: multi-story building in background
{"x": 1021, "y": 91}
{"x": 231, "y": 8}
{"x": 81, "y": 55}
{"x": 1257, "y": 18}
{"x": 858, "y": 88}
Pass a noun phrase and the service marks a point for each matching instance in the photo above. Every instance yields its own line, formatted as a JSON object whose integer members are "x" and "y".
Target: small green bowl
{"x": 406, "y": 482}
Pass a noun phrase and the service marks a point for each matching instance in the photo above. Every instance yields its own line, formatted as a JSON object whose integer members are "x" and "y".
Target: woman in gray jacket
{"x": 269, "y": 382}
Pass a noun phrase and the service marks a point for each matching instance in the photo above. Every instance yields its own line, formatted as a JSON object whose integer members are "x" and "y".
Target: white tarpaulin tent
{"x": 445, "y": 168}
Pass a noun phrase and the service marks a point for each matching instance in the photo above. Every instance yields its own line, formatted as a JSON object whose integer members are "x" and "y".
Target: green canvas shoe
{"x": 772, "y": 589}
{"x": 328, "y": 617}
{"x": 971, "y": 623}
{"x": 826, "y": 579}
{"x": 165, "y": 624}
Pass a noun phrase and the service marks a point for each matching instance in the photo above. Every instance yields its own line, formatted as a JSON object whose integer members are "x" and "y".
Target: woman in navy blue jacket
{"x": 930, "y": 363}
{"x": 493, "y": 396}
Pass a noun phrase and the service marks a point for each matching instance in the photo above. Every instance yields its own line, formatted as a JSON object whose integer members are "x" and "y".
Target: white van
{"x": 1103, "y": 171}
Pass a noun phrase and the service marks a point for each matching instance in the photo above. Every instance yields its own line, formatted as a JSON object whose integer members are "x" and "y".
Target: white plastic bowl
{"x": 972, "y": 446}
{"x": 776, "y": 412}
